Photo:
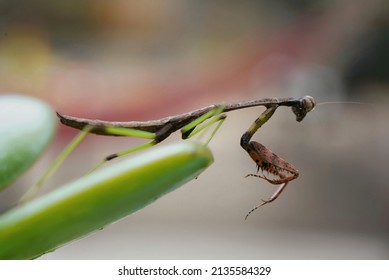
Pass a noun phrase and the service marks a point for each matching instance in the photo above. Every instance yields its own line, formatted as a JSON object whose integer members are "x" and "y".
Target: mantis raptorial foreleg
{"x": 265, "y": 159}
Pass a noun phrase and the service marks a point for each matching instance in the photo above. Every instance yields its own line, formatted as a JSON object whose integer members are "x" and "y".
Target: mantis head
{"x": 307, "y": 104}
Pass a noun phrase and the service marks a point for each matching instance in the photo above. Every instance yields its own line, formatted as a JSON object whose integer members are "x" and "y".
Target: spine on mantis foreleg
{"x": 264, "y": 158}
{"x": 268, "y": 161}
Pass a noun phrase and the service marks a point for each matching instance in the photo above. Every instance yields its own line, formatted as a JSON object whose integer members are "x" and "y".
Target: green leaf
{"x": 98, "y": 199}
{"x": 26, "y": 127}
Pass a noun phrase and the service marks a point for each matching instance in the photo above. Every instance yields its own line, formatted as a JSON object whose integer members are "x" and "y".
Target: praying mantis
{"x": 192, "y": 123}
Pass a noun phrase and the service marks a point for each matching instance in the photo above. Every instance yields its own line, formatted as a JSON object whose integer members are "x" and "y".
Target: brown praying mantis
{"x": 189, "y": 125}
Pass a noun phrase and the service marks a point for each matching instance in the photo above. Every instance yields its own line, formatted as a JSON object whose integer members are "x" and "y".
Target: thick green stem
{"x": 98, "y": 199}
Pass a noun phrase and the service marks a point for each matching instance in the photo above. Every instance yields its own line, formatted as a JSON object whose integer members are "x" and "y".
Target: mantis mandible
{"x": 189, "y": 125}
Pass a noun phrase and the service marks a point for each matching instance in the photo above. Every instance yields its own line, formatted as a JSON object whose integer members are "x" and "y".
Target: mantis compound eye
{"x": 307, "y": 104}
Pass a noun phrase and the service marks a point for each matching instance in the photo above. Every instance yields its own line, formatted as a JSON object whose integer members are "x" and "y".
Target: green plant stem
{"x": 98, "y": 199}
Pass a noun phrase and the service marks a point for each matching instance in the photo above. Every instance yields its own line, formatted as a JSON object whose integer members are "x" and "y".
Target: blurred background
{"x": 139, "y": 60}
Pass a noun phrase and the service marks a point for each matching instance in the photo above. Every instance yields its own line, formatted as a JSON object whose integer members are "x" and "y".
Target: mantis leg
{"x": 127, "y": 132}
{"x": 257, "y": 124}
{"x": 57, "y": 163}
{"x": 271, "y": 199}
{"x": 74, "y": 144}
{"x": 126, "y": 152}
{"x": 215, "y": 115}
{"x": 187, "y": 131}
{"x": 266, "y": 160}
